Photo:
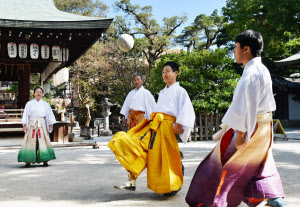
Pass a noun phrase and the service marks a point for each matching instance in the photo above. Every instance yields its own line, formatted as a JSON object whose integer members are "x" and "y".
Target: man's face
{"x": 238, "y": 53}
{"x": 38, "y": 94}
{"x": 138, "y": 82}
{"x": 168, "y": 75}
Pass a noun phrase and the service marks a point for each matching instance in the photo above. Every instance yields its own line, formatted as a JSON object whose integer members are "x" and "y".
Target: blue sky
{"x": 169, "y": 8}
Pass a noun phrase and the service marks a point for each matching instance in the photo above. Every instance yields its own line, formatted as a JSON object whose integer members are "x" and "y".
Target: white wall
{"x": 294, "y": 108}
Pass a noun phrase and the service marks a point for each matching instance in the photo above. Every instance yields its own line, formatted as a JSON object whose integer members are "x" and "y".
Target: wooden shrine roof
{"x": 44, "y": 14}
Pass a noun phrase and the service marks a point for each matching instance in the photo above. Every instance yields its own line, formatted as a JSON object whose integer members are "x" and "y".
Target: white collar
{"x": 174, "y": 84}
{"x": 252, "y": 62}
{"x": 142, "y": 87}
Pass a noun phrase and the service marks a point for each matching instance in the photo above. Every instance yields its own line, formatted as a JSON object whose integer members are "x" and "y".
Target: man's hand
{"x": 24, "y": 128}
{"x": 178, "y": 129}
{"x": 124, "y": 122}
{"x": 50, "y": 128}
{"x": 240, "y": 140}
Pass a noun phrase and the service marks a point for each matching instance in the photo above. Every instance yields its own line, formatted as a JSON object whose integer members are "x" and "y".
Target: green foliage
{"x": 85, "y": 8}
{"x": 153, "y": 38}
{"x": 278, "y": 21}
{"x": 203, "y": 33}
{"x": 206, "y": 75}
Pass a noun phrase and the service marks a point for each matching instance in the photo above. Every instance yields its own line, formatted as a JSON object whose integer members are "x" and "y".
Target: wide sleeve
{"x": 26, "y": 113}
{"x": 186, "y": 115}
{"x": 50, "y": 116}
{"x": 150, "y": 105}
{"x": 125, "y": 108}
{"x": 242, "y": 112}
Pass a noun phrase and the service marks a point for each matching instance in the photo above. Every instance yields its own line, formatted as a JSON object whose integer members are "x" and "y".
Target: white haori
{"x": 253, "y": 95}
{"x": 139, "y": 100}
{"x": 38, "y": 109}
{"x": 175, "y": 101}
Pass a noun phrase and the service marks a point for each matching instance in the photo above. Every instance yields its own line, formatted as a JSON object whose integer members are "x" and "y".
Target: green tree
{"x": 86, "y": 8}
{"x": 206, "y": 75}
{"x": 203, "y": 32}
{"x": 155, "y": 38}
{"x": 278, "y": 21}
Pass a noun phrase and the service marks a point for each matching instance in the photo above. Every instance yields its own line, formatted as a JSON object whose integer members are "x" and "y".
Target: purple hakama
{"x": 228, "y": 176}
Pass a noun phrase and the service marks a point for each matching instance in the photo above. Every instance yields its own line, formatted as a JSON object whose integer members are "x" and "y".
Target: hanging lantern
{"x": 12, "y": 49}
{"x": 23, "y": 50}
{"x": 55, "y": 52}
{"x": 45, "y": 50}
{"x": 46, "y": 88}
{"x": 34, "y": 51}
{"x": 54, "y": 80}
{"x": 36, "y": 78}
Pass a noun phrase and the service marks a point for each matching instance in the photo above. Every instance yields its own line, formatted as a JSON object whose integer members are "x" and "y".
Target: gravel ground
{"x": 85, "y": 177}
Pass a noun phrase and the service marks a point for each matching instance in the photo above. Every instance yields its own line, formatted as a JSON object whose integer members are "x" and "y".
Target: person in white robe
{"x": 241, "y": 166}
{"x": 138, "y": 105}
{"x": 153, "y": 143}
{"x": 37, "y": 120}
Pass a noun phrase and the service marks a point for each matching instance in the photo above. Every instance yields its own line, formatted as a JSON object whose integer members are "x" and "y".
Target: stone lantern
{"x": 105, "y": 113}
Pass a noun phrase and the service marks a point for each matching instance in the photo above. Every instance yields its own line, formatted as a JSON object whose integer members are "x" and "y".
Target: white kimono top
{"x": 38, "y": 109}
{"x": 175, "y": 101}
{"x": 253, "y": 95}
{"x": 139, "y": 100}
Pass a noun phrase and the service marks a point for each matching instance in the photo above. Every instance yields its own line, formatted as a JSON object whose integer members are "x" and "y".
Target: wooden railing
{"x": 11, "y": 115}
{"x": 205, "y": 126}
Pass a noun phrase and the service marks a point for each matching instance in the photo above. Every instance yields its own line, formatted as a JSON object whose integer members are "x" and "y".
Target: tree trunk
{"x": 88, "y": 115}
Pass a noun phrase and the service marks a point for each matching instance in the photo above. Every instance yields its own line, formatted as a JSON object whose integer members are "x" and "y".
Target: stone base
{"x": 77, "y": 139}
{"x": 106, "y": 132}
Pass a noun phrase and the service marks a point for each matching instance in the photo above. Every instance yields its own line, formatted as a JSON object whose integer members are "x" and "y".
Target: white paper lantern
{"x": 46, "y": 88}
{"x": 54, "y": 80}
{"x": 23, "y": 50}
{"x": 12, "y": 49}
{"x": 125, "y": 42}
{"x": 55, "y": 52}
{"x": 45, "y": 51}
{"x": 61, "y": 77}
{"x": 34, "y": 51}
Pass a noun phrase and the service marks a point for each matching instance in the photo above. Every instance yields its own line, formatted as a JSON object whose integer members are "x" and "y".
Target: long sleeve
{"x": 50, "y": 116}
{"x": 125, "y": 108}
{"x": 242, "y": 112}
{"x": 186, "y": 116}
{"x": 26, "y": 113}
{"x": 149, "y": 105}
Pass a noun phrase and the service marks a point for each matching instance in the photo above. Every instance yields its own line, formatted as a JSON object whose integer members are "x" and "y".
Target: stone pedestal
{"x": 106, "y": 113}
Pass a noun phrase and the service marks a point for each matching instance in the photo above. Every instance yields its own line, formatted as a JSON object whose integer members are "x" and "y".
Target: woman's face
{"x": 38, "y": 94}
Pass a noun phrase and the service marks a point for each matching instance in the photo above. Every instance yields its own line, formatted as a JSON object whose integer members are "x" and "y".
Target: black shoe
{"x": 172, "y": 193}
{"x": 27, "y": 165}
{"x": 124, "y": 187}
{"x": 181, "y": 155}
{"x": 45, "y": 165}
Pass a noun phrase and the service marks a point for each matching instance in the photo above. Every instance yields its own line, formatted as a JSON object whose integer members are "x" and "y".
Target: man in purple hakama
{"x": 241, "y": 166}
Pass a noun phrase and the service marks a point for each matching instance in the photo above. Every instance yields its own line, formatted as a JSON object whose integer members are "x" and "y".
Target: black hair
{"x": 138, "y": 75}
{"x": 38, "y": 87}
{"x": 173, "y": 65}
{"x": 253, "y": 39}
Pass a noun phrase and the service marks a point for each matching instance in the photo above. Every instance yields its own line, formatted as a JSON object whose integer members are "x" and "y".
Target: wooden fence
{"x": 205, "y": 126}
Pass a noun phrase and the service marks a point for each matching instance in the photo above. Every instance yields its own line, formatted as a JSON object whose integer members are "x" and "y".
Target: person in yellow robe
{"x": 153, "y": 143}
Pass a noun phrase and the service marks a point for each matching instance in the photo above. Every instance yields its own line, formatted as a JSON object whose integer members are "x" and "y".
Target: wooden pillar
{"x": 24, "y": 87}
{"x": 200, "y": 128}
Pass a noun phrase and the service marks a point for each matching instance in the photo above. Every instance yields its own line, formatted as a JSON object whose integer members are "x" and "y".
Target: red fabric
{"x": 33, "y": 133}
{"x": 39, "y": 132}
{"x": 253, "y": 200}
{"x": 226, "y": 140}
